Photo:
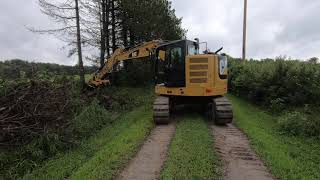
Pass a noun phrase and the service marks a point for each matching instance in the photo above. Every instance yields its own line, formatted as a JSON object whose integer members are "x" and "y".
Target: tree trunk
{"x": 132, "y": 37}
{"x": 113, "y": 22}
{"x": 107, "y": 33}
{"x": 103, "y": 35}
{"x": 81, "y": 68}
{"x": 124, "y": 31}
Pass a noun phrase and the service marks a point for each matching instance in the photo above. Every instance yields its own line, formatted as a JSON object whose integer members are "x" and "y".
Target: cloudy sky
{"x": 286, "y": 27}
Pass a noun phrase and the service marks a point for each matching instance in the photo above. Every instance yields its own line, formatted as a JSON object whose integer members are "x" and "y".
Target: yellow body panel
{"x": 202, "y": 78}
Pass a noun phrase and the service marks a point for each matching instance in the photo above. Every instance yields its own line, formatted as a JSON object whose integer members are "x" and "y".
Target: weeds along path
{"x": 149, "y": 160}
{"x": 241, "y": 162}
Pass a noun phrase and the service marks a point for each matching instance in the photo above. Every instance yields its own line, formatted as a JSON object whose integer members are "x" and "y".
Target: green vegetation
{"x": 283, "y": 86}
{"x": 102, "y": 155}
{"x": 136, "y": 72}
{"x": 278, "y": 82}
{"x": 70, "y": 141}
{"x": 92, "y": 118}
{"x": 114, "y": 155}
{"x": 146, "y": 20}
{"x": 16, "y": 68}
{"x": 87, "y": 77}
{"x": 296, "y": 123}
{"x": 288, "y": 157}
{"x": 191, "y": 154}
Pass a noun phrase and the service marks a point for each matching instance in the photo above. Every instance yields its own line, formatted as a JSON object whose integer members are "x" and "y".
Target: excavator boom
{"x": 142, "y": 50}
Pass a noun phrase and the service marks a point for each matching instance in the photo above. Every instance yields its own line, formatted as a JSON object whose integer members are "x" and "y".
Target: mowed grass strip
{"x": 114, "y": 155}
{"x": 191, "y": 154}
{"x": 286, "y": 157}
{"x": 104, "y": 154}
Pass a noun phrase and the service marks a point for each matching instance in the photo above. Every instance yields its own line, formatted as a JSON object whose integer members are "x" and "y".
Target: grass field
{"x": 287, "y": 157}
{"x": 191, "y": 154}
{"x": 101, "y": 156}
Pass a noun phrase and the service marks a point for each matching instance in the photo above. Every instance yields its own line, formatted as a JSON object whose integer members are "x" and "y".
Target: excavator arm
{"x": 100, "y": 78}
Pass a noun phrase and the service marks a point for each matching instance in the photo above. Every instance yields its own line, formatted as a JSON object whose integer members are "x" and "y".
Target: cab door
{"x": 175, "y": 66}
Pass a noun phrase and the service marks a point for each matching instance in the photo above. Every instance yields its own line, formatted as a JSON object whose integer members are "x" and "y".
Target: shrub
{"x": 277, "y": 105}
{"x": 292, "y": 123}
{"x": 135, "y": 73}
{"x": 91, "y": 119}
{"x": 281, "y": 84}
{"x": 312, "y": 126}
{"x": 276, "y": 82}
{"x": 299, "y": 124}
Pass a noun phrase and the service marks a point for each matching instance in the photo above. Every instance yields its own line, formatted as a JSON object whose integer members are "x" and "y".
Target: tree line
{"x": 104, "y": 25}
{"x": 15, "y": 69}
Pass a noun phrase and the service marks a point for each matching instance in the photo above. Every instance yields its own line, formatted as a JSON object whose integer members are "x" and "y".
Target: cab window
{"x": 192, "y": 50}
{"x": 176, "y": 55}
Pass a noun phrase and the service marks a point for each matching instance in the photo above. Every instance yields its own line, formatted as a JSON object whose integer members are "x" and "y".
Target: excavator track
{"x": 161, "y": 110}
{"x": 220, "y": 111}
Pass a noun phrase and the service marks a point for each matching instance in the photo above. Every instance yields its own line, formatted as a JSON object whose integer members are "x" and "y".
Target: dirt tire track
{"x": 147, "y": 163}
{"x": 240, "y": 161}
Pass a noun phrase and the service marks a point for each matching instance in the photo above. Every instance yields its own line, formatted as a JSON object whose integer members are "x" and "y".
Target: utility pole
{"x": 244, "y": 31}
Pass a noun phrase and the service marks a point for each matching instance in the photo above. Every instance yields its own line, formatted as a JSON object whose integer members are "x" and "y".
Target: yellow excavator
{"x": 182, "y": 76}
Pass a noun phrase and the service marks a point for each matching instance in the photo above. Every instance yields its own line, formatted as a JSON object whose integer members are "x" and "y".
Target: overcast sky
{"x": 286, "y": 27}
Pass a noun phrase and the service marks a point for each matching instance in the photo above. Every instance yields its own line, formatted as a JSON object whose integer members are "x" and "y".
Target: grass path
{"x": 286, "y": 157}
{"x": 191, "y": 154}
{"x": 103, "y": 155}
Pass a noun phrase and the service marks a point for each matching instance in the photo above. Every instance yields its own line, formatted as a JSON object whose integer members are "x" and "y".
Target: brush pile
{"x": 31, "y": 109}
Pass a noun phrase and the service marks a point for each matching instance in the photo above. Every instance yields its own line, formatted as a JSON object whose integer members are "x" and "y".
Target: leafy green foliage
{"x": 23, "y": 159}
{"x": 91, "y": 119}
{"x": 277, "y": 105}
{"x": 299, "y": 124}
{"x": 135, "y": 73}
{"x": 276, "y": 82}
{"x": 292, "y": 123}
{"x": 106, "y": 152}
{"x": 191, "y": 154}
{"x": 16, "y": 68}
{"x": 281, "y": 85}
{"x": 122, "y": 98}
{"x": 288, "y": 157}
{"x": 88, "y": 117}
{"x": 151, "y": 19}
{"x": 118, "y": 151}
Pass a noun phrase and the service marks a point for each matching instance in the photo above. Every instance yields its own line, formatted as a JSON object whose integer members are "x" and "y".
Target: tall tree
{"x": 67, "y": 15}
{"x": 150, "y": 19}
{"x": 103, "y": 31}
{"x": 113, "y": 24}
{"x": 106, "y": 27}
{"x": 81, "y": 68}
{"x": 103, "y": 25}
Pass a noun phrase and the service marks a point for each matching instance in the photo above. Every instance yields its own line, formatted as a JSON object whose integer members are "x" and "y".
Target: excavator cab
{"x": 170, "y": 69}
